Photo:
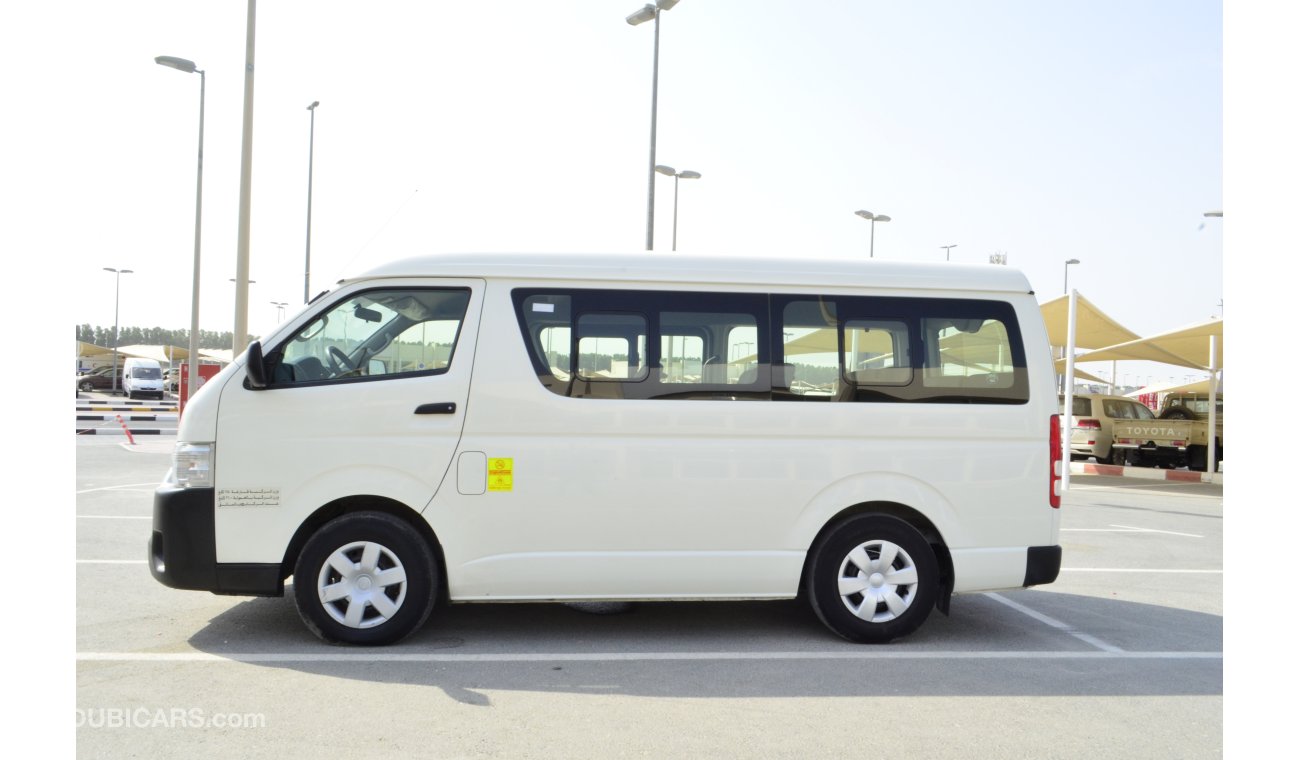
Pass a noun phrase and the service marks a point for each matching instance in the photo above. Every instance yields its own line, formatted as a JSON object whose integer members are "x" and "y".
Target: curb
{"x": 131, "y": 418}
{"x": 171, "y": 408}
{"x": 117, "y": 431}
{"x": 1146, "y": 473}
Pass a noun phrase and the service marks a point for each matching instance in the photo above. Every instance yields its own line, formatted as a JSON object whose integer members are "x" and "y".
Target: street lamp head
{"x": 643, "y": 15}
{"x": 881, "y": 218}
{"x": 313, "y": 105}
{"x": 865, "y": 214}
{"x": 667, "y": 171}
{"x": 689, "y": 175}
{"x": 180, "y": 64}
{"x": 1215, "y": 214}
{"x": 1071, "y": 261}
{"x": 118, "y": 271}
{"x": 666, "y": 5}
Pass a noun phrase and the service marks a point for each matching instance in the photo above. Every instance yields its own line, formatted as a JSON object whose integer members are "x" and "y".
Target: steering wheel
{"x": 339, "y": 362}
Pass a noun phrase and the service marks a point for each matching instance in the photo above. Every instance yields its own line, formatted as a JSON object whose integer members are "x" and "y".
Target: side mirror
{"x": 256, "y": 367}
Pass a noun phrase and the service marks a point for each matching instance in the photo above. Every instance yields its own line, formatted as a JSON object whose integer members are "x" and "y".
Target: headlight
{"x": 192, "y": 465}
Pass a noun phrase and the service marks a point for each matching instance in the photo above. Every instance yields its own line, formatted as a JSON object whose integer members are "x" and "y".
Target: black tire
{"x": 1196, "y": 458}
{"x": 1177, "y": 413}
{"x": 909, "y": 604}
{"x": 397, "y": 549}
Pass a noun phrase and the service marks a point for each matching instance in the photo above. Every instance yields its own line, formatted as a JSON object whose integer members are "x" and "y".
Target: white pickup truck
{"x": 1179, "y": 437}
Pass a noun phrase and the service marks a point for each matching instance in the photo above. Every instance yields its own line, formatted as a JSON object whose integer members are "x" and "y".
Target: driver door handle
{"x": 446, "y": 407}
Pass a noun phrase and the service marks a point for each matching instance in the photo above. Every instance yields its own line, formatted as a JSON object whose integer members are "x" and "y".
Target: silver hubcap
{"x": 877, "y": 581}
{"x": 362, "y": 585}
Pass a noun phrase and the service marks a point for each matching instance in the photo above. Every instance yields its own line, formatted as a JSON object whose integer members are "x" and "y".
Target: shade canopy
{"x": 1184, "y": 347}
{"x": 1093, "y": 327}
{"x": 1200, "y": 387}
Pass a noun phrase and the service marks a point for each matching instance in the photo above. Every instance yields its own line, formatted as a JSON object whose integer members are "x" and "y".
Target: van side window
{"x": 877, "y": 352}
{"x": 612, "y": 347}
{"x": 717, "y": 345}
{"x": 647, "y": 344}
{"x": 377, "y": 333}
{"x": 973, "y": 357}
{"x": 810, "y": 352}
{"x": 708, "y": 348}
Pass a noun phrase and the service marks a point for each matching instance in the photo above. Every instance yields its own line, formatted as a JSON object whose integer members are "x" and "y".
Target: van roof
{"x": 666, "y": 267}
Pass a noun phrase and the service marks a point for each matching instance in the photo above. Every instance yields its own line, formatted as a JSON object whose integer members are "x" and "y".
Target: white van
{"x": 874, "y": 435}
{"x": 142, "y": 377}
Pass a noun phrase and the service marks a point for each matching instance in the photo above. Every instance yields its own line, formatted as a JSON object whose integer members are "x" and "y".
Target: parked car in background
{"x": 142, "y": 377}
{"x": 1093, "y": 433}
{"x": 99, "y": 380}
{"x": 1179, "y": 437}
{"x": 172, "y": 380}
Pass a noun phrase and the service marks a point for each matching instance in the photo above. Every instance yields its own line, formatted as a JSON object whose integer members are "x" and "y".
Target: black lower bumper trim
{"x": 183, "y": 548}
{"x": 1042, "y": 565}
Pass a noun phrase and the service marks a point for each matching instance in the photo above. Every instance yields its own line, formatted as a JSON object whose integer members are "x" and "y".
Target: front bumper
{"x": 183, "y": 548}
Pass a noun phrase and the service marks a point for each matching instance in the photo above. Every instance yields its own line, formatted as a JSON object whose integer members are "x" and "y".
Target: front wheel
{"x": 872, "y": 579}
{"x": 365, "y": 578}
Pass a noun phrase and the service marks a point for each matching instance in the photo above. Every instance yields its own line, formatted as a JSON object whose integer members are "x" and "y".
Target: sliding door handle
{"x": 443, "y": 408}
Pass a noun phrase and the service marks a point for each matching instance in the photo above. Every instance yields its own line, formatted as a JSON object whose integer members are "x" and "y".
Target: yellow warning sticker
{"x": 501, "y": 474}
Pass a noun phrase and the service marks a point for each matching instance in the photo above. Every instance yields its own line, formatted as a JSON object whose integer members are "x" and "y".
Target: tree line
{"x": 152, "y": 336}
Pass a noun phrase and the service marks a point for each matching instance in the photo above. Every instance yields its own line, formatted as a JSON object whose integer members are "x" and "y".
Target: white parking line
{"x": 126, "y": 486}
{"x": 1127, "y": 529}
{"x": 890, "y": 653}
{"x": 114, "y": 517}
{"x": 1153, "y": 530}
{"x": 112, "y": 562}
{"x": 1087, "y": 638}
{"x": 1137, "y": 570}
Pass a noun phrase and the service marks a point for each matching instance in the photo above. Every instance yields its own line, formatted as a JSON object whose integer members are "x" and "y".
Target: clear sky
{"x": 1045, "y": 131}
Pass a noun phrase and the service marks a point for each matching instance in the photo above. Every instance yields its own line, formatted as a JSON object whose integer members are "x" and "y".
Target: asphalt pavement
{"x": 1122, "y": 656}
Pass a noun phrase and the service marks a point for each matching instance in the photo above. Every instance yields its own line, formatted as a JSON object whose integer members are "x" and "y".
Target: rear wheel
{"x": 872, "y": 579}
{"x": 365, "y": 578}
{"x": 1177, "y": 413}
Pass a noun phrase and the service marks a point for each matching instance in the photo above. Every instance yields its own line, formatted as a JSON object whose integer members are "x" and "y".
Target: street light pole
{"x": 239, "y": 339}
{"x": 117, "y": 292}
{"x": 279, "y": 309}
{"x": 311, "y": 153}
{"x": 948, "y": 251}
{"x": 180, "y": 64}
{"x": 873, "y": 218}
{"x": 648, "y": 13}
{"x": 676, "y": 175}
{"x": 1067, "y": 275}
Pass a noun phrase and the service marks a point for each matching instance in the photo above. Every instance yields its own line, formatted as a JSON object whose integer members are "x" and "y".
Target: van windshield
{"x": 147, "y": 373}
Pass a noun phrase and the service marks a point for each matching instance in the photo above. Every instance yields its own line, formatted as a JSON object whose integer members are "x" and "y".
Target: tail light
{"x": 1092, "y": 425}
{"x": 1057, "y": 462}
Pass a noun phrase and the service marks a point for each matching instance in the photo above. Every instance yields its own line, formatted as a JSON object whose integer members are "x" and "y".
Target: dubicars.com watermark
{"x": 165, "y": 717}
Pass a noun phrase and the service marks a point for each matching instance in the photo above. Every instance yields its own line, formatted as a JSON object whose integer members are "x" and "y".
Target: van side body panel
{"x": 705, "y": 499}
